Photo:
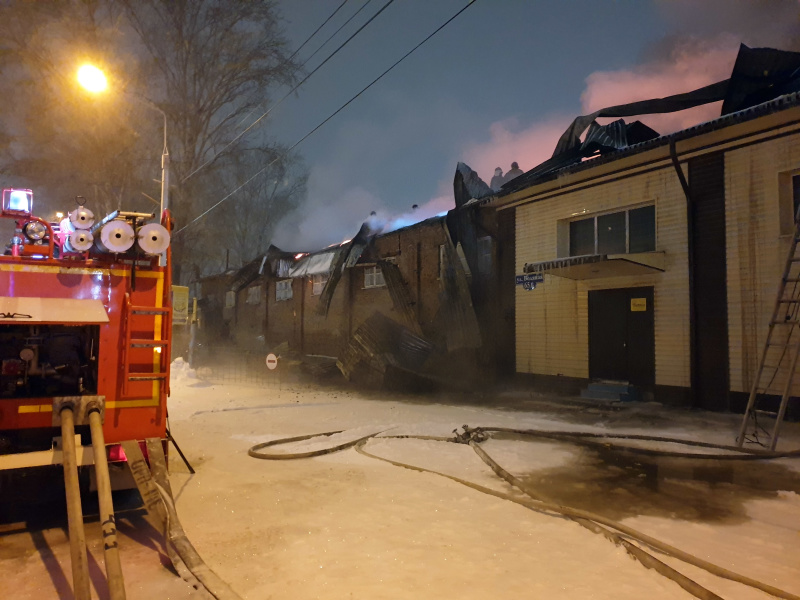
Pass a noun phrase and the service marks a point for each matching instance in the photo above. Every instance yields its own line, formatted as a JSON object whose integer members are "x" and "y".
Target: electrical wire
{"x": 316, "y": 31}
{"x": 340, "y": 109}
{"x": 308, "y": 39}
{"x": 331, "y": 36}
{"x": 289, "y": 93}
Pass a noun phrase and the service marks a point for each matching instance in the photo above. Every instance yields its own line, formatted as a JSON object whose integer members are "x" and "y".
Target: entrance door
{"x": 621, "y": 335}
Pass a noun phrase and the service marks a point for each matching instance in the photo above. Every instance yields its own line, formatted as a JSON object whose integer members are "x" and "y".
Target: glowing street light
{"x": 93, "y": 80}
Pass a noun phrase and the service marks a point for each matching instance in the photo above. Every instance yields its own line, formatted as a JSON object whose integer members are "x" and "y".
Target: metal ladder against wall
{"x": 130, "y": 343}
{"x": 780, "y": 352}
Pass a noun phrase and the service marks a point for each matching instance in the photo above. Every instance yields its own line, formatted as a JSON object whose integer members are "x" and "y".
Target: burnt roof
{"x": 767, "y": 108}
{"x": 763, "y": 81}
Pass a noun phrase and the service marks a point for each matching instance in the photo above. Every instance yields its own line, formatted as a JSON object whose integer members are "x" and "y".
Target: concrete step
{"x": 600, "y": 394}
{"x": 616, "y": 390}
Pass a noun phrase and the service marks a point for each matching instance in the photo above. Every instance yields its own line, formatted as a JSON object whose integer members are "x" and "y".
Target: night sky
{"x": 498, "y": 84}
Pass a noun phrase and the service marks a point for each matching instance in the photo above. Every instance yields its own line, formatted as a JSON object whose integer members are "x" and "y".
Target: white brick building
{"x": 614, "y": 237}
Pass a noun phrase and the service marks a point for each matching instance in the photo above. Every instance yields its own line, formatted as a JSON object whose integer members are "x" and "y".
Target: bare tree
{"x": 61, "y": 141}
{"x": 250, "y": 220}
{"x": 207, "y": 64}
{"x": 214, "y": 62}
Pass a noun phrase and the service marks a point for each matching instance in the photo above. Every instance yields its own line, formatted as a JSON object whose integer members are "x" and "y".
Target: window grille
{"x": 253, "y": 295}
{"x": 283, "y": 290}
{"x": 373, "y": 277}
{"x": 318, "y": 283}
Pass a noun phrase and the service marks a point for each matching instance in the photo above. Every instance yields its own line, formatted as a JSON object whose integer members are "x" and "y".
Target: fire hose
{"x": 116, "y": 582}
{"x": 77, "y": 536}
{"x": 537, "y": 502}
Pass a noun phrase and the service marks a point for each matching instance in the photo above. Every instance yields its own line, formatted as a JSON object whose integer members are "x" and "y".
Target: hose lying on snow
{"x": 594, "y": 522}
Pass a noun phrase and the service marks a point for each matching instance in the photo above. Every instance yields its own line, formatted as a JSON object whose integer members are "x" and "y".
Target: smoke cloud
{"x": 702, "y": 53}
{"x": 508, "y": 143}
{"x": 690, "y": 64}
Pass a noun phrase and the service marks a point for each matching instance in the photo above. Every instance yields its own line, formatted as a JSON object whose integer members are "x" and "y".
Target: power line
{"x": 289, "y": 93}
{"x": 340, "y": 109}
{"x": 308, "y": 39}
{"x": 331, "y": 36}
{"x": 316, "y": 31}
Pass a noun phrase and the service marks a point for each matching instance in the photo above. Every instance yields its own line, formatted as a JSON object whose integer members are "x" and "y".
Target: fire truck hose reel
{"x": 81, "y": 218}
{"x": 79, "y": 241}
{"x": 153, "y": 238}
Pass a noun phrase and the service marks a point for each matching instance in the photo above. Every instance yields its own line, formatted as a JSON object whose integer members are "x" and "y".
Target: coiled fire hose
{"x": 612, "y": 530}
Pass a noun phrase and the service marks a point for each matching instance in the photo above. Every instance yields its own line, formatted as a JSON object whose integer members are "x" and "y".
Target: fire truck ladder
{"x": 781, "y": 349}
{"x": 160, "y": 345}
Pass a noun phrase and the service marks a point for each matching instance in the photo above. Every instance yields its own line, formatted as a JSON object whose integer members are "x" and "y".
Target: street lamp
{"x": 93, "y": 80}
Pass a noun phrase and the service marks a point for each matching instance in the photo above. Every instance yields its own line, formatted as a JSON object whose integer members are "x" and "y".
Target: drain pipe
{"x": 77, "y": 537}
{"x": 116, "y": 582}
{"x": 690, "y": 269}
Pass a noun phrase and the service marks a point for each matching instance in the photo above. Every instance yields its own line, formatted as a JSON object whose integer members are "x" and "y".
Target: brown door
{"x": 621, "y": 335}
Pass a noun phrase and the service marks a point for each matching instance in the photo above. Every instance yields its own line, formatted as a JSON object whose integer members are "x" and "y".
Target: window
{"x": 642, "y": 229}
{"x": 373, "y": 277}
{"x": 788, "y": 200}
{"x": 253, "y": 295}
{"x": 283, "y": 290}
{"x": 623, "y": 232}
{"x": 230, "y": 299}
{"x": 318, "y": 283}
{"x": 795, "y": 195}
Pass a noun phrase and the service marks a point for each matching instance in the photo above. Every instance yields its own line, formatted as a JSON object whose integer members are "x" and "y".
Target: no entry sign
{"x": 272, "y": 361}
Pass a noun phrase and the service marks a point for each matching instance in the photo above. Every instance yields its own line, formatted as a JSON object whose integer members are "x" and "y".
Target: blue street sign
{"x": 529, "y": 281}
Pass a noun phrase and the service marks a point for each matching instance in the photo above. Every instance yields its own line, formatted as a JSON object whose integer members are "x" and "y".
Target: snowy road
{"x": 347, "y": 526}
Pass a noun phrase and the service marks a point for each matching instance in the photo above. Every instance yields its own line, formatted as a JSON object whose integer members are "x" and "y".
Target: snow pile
{"x": 180, "y": 370}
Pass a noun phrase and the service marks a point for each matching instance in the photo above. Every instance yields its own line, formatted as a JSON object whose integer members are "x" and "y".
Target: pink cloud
{"x": 528, "y": 147}
{"x": 688, "y": 66}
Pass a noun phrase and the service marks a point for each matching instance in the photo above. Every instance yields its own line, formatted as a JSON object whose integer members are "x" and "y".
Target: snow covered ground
{"x": 344, "y": 525}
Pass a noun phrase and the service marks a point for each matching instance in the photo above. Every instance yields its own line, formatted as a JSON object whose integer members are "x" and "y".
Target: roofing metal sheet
{"x": 459, "y": 315}
{"x": 763, "y": 81}
{"x": 313, "y": 264}
{"x": 401, "y": 298}
{"x": 346, "y": 256}
{"x": 540, "y": 175}
{"x": 380, "y": 342}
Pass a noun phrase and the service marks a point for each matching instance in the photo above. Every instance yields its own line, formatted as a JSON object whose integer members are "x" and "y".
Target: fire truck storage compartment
{"x": 40, "y": 361}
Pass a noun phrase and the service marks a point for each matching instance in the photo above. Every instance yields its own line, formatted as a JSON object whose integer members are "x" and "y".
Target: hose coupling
{"x": 469, "y": 434}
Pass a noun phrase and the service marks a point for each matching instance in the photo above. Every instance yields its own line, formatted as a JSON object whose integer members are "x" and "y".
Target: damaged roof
{"x": 313, "y": 264}
{"x": 763, "y": 81}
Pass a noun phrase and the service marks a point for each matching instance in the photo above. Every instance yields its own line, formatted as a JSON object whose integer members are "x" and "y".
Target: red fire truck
{"x": 85, "y": 323}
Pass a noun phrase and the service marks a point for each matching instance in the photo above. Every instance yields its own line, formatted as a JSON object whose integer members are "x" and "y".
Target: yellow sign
{"x": 180, "y": 304}
{"x": 638, "y": 304}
